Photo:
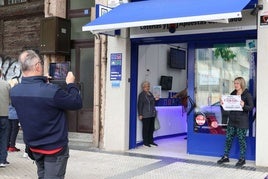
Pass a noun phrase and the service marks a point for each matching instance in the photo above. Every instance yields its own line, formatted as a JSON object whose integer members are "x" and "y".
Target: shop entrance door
{"x": 82, "y": 64}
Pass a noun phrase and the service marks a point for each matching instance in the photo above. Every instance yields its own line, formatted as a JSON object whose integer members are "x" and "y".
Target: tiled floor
{"x": 170, "y": 147}
{"x": 167, "y": 161}
{"x": 176, "y": 147}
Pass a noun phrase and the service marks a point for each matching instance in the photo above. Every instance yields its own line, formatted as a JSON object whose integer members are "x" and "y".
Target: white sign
{"x": 231, "y": 102}
{"x": 200, "y": 119}
{"x": 209, "y": 77}
{"x": 114, "y": 3}
{"x": 247, "y": 22}
{"x": 157, "y": 91}
{"x": 101, "y": 10}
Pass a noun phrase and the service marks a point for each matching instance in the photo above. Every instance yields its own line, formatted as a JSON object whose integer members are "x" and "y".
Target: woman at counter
{"x": 147, "y": 113}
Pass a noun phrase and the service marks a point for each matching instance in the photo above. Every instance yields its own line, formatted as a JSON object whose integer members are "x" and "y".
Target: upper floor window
{"x": 81, "y": 4}
{"x": 8, "y": 2}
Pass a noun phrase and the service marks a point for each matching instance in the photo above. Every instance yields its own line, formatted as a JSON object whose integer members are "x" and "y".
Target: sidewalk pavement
{"x": 95, "y": 164}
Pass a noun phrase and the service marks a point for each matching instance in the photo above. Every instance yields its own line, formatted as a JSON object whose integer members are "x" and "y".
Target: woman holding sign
{"x": 238, "y": 123}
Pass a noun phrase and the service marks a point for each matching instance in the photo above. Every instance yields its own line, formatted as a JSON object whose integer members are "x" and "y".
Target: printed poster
{"x": 231, "y": 102}
{"x": 116, "y": 67}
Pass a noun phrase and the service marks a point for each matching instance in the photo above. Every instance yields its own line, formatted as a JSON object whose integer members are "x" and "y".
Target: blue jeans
{"x": 3, "y": 139}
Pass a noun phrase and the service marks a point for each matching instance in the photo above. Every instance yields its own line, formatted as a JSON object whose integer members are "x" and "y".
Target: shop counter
{"x": 172, "y": 120}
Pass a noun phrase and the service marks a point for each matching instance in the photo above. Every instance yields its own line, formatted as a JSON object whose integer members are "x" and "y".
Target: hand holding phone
{"x": 70, "y": 78}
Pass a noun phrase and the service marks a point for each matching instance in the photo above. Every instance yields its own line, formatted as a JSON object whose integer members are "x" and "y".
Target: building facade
{"x": 52, "y": 28}
{"x": 121, "y": 127}
{"x": 110, "y": 105}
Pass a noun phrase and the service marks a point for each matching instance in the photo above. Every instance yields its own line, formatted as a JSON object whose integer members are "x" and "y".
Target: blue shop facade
{"x": 201, "y": 52}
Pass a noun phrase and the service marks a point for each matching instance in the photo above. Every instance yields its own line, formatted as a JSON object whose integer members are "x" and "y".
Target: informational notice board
{"x": 116, "y": 69}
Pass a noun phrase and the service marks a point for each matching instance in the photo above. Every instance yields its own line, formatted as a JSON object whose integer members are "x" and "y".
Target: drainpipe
{"x": 100, "y": 59}
{"x": 103, "y": 86}
{"x": 96, "y": 112}
{"x": 2, "y": 35}
{"x": 48, "y": 13}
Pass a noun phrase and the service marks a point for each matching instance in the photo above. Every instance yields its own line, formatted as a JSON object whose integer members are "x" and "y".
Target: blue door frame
{"x": 197, "y": 143}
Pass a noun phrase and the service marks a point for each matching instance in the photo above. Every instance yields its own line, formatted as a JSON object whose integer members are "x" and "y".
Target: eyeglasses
{"x": 41, "y": 62}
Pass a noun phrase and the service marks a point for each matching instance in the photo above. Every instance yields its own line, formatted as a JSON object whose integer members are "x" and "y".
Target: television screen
{"x": 177, "y": 58}
{"x": 58, "y": 71}
{"x": 166, "y": 82}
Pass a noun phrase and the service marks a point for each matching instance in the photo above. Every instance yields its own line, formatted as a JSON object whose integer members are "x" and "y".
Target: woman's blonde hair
{"x": 242, "y": 82}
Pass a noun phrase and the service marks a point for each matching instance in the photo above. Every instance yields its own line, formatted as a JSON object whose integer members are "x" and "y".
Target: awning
{"x": 156, "y": 12}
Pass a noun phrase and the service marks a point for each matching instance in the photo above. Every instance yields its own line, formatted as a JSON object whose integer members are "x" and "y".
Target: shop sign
{"x": 231, "y": 102}
{"x": 115, "y": 3}
{"x": 200, "y": 119}
{"x": 264, "y": 20}
{"x": 100, "y": 11}
{"x": 116, "y": 67}
{"x": 246, "y": 22}
{"x": 211, "y": 77}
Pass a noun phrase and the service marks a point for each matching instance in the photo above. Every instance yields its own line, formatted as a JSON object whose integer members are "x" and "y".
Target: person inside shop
{"x": 183, "y": 96}
{"x": 238, "y": 123}
{"x": 147, "y": 114}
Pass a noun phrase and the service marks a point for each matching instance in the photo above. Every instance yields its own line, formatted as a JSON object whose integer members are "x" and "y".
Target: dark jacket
{"x": 146, "y": 105}
{"x": 40, "y": 107}
{"x": 240, "y": 119}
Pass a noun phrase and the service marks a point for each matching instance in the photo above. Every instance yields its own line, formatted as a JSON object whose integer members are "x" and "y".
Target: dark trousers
{"x": 52, "y": 166}
{"x": 13, "y": 129}
{"x": 3, "y": 139}
{"x": 148, "y": 130}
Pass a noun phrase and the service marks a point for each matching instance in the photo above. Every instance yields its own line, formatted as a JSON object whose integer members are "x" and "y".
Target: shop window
{"x": 16, "y": 1}
{"x": 76, "y": 29}
{"x": 9, "y": 2}
{"x": 79, "y": 12}
{"x": 216, "y": 68}
{"x": 81, "y": 4}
